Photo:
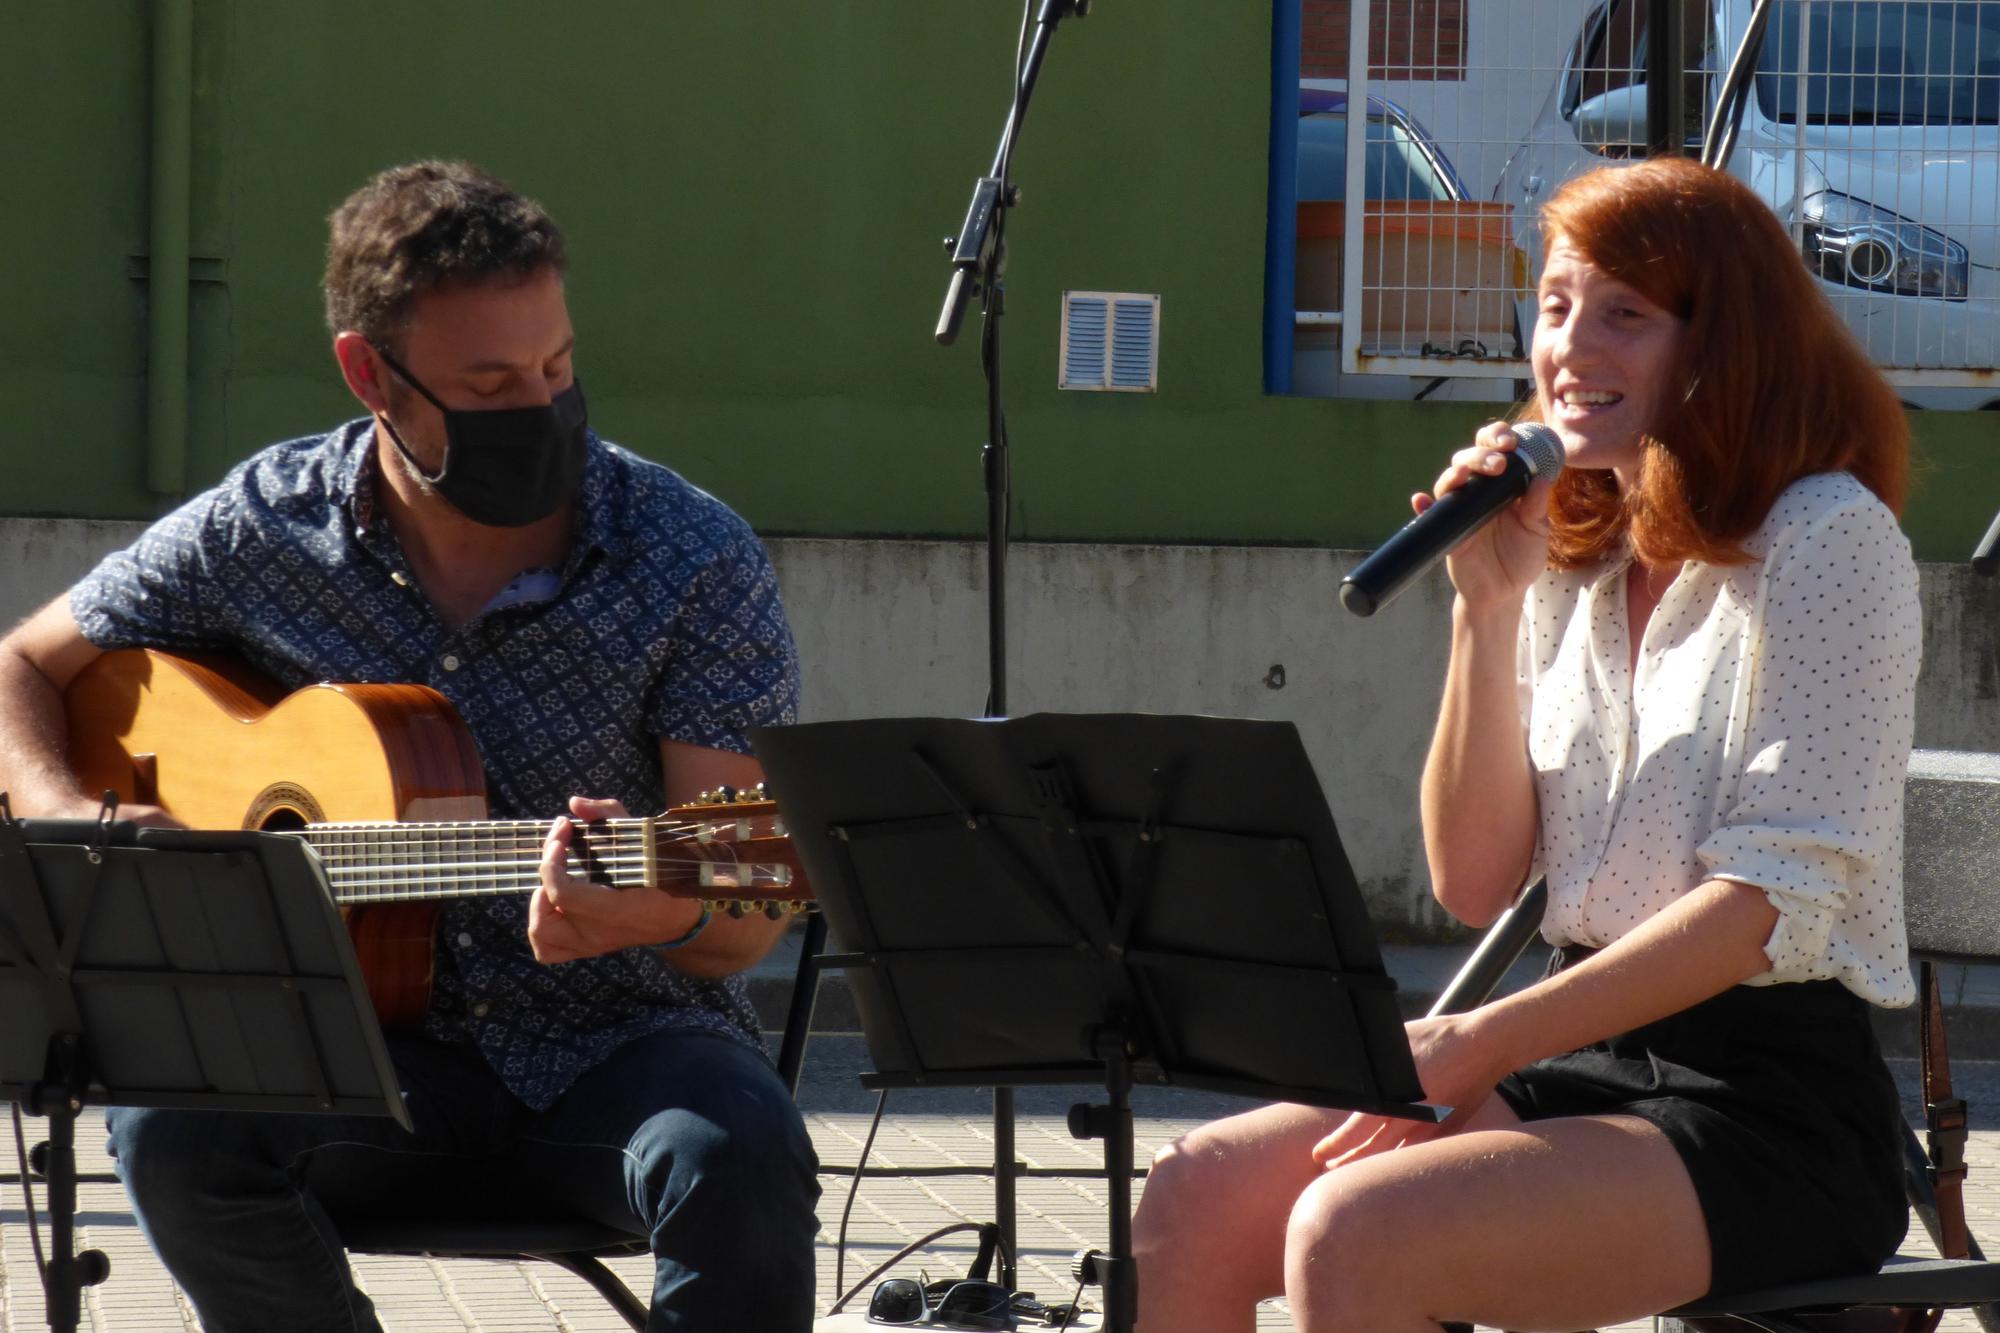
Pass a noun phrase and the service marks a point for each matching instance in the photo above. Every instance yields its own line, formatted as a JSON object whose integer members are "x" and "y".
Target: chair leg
{"x": 1859, "y": 1319}
{"x": 805, "y": 990}
{"x": 605, "y": 1282}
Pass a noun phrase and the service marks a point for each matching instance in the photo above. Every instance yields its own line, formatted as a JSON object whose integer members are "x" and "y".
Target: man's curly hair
{"x": 413, "y": 229}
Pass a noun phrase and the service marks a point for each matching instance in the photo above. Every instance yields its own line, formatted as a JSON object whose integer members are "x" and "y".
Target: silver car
{"x": 1873, "y": 131}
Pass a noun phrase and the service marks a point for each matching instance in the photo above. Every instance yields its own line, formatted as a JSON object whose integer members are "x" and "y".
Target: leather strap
{"x": 1946, "y": 1119}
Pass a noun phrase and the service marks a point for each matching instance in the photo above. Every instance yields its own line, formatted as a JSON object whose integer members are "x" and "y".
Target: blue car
{"x": 1404, "y": 164}
{"x": 1404, "y": 161}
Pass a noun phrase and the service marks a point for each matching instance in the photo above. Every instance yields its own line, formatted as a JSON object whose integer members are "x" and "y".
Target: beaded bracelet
{"x": 700, "y": 924}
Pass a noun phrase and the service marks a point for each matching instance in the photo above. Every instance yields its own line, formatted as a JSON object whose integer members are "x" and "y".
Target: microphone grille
{"x": 1539, "y": 446}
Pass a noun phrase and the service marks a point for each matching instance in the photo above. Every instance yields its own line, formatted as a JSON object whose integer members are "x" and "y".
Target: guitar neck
{"x": 391, "y": 862}
{"x": 222, "y": 747}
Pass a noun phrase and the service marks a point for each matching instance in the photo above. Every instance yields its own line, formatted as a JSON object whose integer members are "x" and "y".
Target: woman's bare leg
{"x": 1209, "y": 1234}
{"x": 1556, "y": 1224}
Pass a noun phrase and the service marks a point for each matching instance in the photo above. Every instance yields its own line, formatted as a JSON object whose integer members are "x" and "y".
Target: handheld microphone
{"x": 1435, "y": 533}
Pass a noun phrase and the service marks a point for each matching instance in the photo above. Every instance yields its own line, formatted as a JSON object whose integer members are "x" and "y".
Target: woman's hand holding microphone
{"x": 1496, "y": 564}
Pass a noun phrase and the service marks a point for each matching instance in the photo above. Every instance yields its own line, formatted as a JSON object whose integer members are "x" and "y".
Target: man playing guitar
{"x": 602, "y": 628}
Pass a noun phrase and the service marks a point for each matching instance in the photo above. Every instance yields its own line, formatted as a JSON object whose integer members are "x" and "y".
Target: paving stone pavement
{"x": 1057, "y": 1217}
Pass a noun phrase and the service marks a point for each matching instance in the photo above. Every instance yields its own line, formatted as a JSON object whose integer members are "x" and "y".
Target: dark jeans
{"x": 687, "y": 1137}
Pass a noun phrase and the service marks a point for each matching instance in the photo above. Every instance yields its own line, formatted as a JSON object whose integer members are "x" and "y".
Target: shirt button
{"x": 449, "y": 662}
{"x": 464, "y": 939}
{"x": 479, "y": 1010}
{"x": 399, "y": 578}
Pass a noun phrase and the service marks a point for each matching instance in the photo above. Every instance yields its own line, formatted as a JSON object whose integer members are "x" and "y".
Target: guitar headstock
{"x": 724, "y": 804}
{"x": 741, "y": 855}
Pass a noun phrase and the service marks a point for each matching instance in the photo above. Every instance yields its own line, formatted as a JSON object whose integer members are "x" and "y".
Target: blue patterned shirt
{"x": 664, "y": 621}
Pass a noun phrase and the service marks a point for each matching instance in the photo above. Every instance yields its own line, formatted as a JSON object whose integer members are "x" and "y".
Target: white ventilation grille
{"x": 1110, "y": 341}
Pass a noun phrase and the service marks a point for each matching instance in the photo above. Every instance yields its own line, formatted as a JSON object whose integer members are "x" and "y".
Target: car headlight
{"x": 1857, "y": 244}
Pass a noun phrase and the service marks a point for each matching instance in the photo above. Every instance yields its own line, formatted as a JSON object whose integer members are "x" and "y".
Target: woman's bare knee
{"x": 1211, "y": 1218}
{"x": 1346, "y": 1241}
{"x": 1182, "y": 1188}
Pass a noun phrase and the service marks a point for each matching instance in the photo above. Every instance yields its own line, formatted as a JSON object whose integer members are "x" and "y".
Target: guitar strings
{"x": 358, "y": 868}
{"x": 474, "y": 876}
{"x": 408, "y": 845}
{"x": 357, "y": 861}
{"x": 397, "y": 837}
{"x": 674, "y": 852}
{"x": 504, "y": 855}
{"x": 609, "y": 828}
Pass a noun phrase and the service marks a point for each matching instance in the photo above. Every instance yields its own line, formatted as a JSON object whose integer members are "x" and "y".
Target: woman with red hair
{"x": 1681, "y": 688}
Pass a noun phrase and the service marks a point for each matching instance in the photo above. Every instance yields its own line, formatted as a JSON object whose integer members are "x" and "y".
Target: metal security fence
{"x": 1873, "y": 131}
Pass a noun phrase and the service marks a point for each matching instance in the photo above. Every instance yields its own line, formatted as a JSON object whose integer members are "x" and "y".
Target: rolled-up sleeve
{"x": 1816, "y": 819}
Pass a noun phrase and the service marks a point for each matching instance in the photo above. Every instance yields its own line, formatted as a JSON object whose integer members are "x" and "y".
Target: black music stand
{"x": 1114, "y": 899}
{"x": 158, "y": 967}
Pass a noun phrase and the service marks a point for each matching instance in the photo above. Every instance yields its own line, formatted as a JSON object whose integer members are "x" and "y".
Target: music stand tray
{"x": 166, "y": 968}
{"x": 1099, "y": 898}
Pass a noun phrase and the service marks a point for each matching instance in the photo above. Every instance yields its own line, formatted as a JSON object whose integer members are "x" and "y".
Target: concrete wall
{"x": 39, "y": 557}
{"x": 896, "y": 628}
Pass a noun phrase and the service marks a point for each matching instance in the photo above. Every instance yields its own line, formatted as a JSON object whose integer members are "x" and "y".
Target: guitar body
{"x": 221, "y": 746}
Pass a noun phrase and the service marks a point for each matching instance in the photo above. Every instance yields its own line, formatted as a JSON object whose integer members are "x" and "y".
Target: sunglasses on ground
{"x": 968, "y": 1305}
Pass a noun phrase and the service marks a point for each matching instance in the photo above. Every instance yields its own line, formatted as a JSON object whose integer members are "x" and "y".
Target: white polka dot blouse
{"x": 1764, "y": 738}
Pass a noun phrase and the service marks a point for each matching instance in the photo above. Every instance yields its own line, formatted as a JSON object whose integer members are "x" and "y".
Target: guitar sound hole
{"x": 284, "y": 807}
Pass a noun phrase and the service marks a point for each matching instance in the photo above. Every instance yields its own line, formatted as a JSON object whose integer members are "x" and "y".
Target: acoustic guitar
{"x": 385, "y": 783}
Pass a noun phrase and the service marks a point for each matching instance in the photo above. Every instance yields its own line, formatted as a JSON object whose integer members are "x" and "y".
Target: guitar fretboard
{"x": 386, "y": 862}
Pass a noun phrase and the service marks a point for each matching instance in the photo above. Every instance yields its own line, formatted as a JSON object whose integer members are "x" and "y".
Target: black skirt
{"x": 1779, "y": 1104}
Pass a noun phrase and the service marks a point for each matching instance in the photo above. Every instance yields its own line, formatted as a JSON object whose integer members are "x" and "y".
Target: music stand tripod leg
{"x": 1114, "y": 1270}
{"x": 60, "y": 1098}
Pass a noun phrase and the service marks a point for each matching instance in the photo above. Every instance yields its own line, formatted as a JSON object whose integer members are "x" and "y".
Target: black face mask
{"x": 505, "y": 467}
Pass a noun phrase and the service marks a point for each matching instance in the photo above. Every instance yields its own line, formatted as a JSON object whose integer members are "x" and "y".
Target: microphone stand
{"x": 978, "y": 259}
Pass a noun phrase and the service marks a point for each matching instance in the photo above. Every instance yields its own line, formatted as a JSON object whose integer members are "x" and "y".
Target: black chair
{"x": 1952, "y": 844}
{"x": 1951, "y": 815}
{"x": 1907, "y": 1294}
{"x": 481, "y": 1214}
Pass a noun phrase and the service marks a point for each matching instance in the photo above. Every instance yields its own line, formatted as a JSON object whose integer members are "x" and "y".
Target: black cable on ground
{"x": 901, "y": 1255}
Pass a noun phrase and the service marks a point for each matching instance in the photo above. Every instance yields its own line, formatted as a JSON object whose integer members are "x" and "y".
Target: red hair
{"x": 1773, "y": 386}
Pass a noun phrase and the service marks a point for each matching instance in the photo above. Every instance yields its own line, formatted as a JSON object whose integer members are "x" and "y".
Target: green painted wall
{"x": 755, "y": 195}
